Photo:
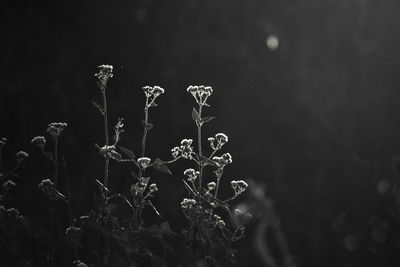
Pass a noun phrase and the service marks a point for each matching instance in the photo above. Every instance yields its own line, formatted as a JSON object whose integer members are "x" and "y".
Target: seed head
{"x": 153, "y": 188}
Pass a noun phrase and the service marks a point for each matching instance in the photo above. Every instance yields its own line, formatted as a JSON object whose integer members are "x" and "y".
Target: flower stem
{"x": 146, "y": 121}
{"x": 199, "y": 124}
{"x": 1, "y": 161}
{"x": 105, "y": 115}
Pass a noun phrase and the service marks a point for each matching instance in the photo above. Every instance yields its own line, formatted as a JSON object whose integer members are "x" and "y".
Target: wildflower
{"x": 175, "y": 152}
{"x": 220, "y": 223}
{"x": 55, "y": 128}
{"x": 186, "y": 148}
{"x": 153, "y": 188}
{"x": 221, "y": 138}
{"x": 8, "y": 185}
{"x": 12, "y": 212}
{"x": 21, "y": 155}
{"x": 144, "y": 162}
{"x": 224, "y": 160}
{"x": 152, "y": 92}
{"x": 72, "y": 230}
{"x": 188, "y": 203}
{"x": 191, "y": 174}
{"x": 239, "y": 186}
{"x": 104, "y": 73}
{"x": 79, "y": 263}
{"x": 110, "y": 152}
{"x": 40, "y": 141}
{"x": 211, "y": 186}
{"x": 200, "y": 93}
{"x": 3, "y": 141}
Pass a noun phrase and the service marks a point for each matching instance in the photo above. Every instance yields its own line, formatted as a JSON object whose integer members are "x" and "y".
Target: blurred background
{"x": 307, "y": 91}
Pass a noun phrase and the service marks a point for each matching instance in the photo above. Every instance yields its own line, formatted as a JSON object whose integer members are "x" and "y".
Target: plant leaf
{"x": 207, "y": 119}
{"x": 100, "y": 108}
{"x": 129, "y": 153}
{"x": 161, "y": 167}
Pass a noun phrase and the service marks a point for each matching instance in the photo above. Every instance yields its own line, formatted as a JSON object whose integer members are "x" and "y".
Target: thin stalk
{"x": 55, "y": 162}
{"x": 1, "y": 161}
{"x": 199, "y": 124}
{"x": 105, "y": 116}
{"x": 145, "y": 130}
{"x": 217, "y": 186}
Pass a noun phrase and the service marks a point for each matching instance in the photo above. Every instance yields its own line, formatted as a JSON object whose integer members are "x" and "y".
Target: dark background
{"x": 315, "y": 120}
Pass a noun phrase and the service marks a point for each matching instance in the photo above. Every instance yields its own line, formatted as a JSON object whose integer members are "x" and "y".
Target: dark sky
{"x": 315, "y": 119}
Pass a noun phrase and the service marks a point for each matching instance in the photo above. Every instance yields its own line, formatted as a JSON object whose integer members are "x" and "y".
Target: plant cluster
{"x": 108, "y": 237}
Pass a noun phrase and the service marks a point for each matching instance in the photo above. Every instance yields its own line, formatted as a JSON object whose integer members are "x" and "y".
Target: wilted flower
{"x": 55, "y": 128}
{"x": 3, "y": 141}
{"x": 211, "y": 140}
{"x": 40, "y": 141}
{"x": 104, "y": 73}
{"x": 21, "y": 155}
{"x": 144, "y": 162}
{"x": 153, "y": 188}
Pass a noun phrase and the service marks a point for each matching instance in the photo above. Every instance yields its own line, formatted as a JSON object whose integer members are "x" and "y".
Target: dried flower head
{"x": 72, "y": 230}
{"x": 3, "y": 141}
{"x": 21, "y": 155}
{"x": 144, "y": 162}
{"x": 40, "y": 141}
{"x": 105, "y": 72}
{"x": 211, "y": 140}
{"x": 185, "y": 150}
{"x": 55, "y": 128}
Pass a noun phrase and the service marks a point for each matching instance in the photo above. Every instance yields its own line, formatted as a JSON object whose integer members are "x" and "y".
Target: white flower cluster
{"x": 191, "y": 174}
{"x": 153, "y": 188}
{"x": 55, "y": 128}
{"x": 40, "y": 141}
{"x": 3, "y": 141}
{"x": 218, "y": 141}
{"x": 185, "y": 150}
{"x": 154, "y": 91}
{"x": 224, "y": 160}
{"x": 21, "y": 155}
{"x": 238, "y": 186}
{"x": 110, "y": 152}
{"x": 200, "y": 93}
{"x": 211, "y": 186}
{"x": 218, "y": 222}
{"x": 188, "y": 203}
{"x": 139, "y": 187}
{"x": 104, "y": 73}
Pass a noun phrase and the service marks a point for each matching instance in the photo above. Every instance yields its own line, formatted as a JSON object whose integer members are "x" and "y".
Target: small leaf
{"x": 195, "y": 115}
{"x": 161, "y": 167}
{"x": 207, "y": 119}
{"x": 100, "y": 108}
{"x": 127, "y": 152}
